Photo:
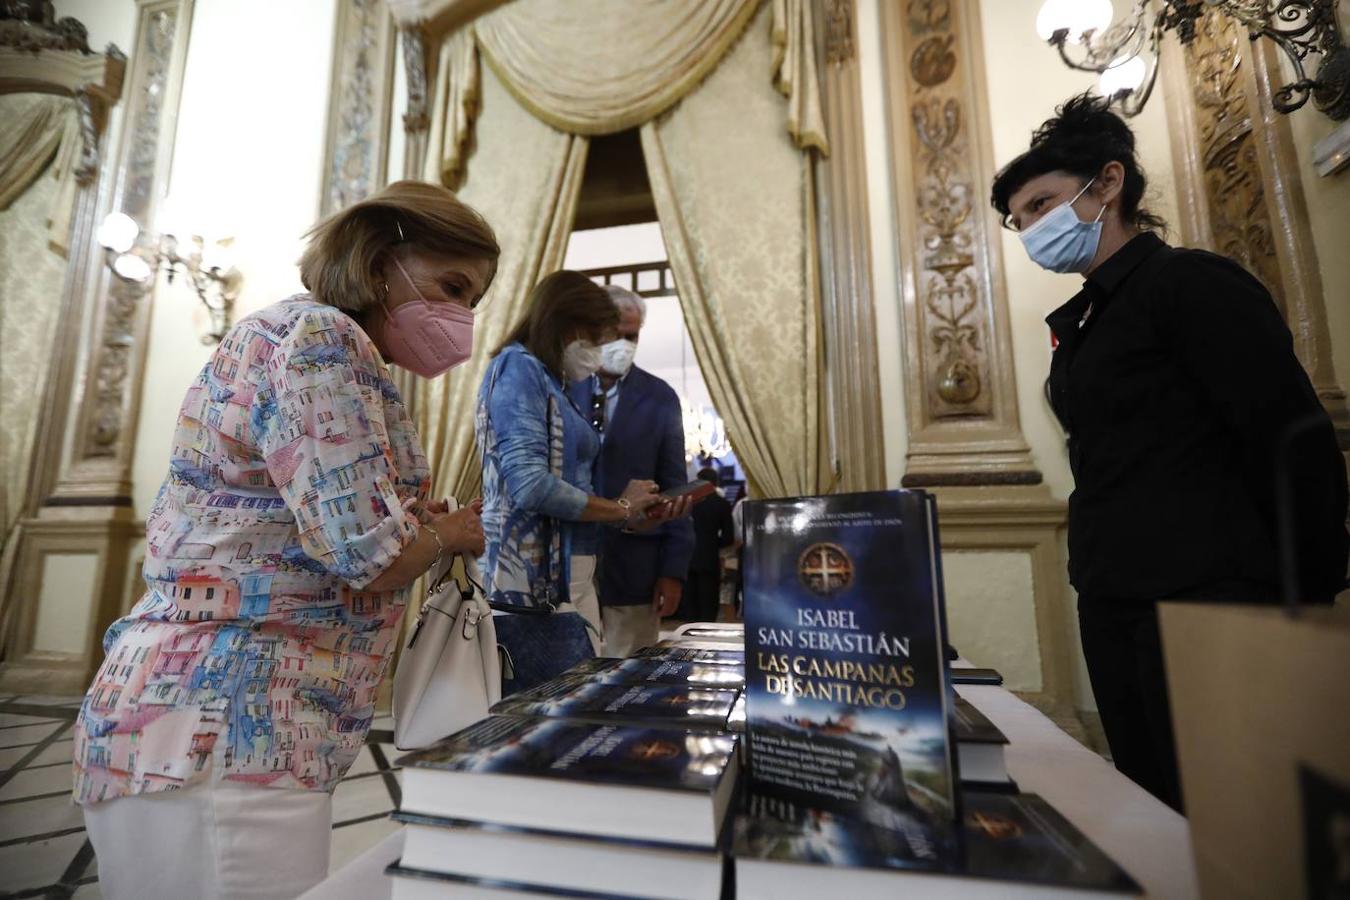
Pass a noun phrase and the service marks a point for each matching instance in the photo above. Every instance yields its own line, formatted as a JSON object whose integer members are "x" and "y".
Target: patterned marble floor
{"x": 43, "y": 850}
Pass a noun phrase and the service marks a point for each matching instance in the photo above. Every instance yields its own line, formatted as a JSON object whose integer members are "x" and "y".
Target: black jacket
{"x": 1175, "y": 390}
{"x": 645, "y": 440}
{"x": 713, "y": 530}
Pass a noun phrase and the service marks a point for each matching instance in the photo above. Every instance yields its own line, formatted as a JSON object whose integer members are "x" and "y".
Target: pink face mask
{"x": 428, "y": 338}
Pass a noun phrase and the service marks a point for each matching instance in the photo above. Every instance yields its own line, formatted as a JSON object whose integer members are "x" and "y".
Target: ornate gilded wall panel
{"x": 854, "y": 395}
{"x": 962, "y": 403}
{"x": 356, "y": 154}
{"x": 1236, "y": 160}
{"x": 417, "y": 113}
{"x": 1234, "y": 191}
{"x": 98, "y": 471}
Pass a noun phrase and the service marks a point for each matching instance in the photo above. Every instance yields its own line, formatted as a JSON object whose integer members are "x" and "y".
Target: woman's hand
{"x": 677, "y": 508}
{"x": 460, "y": 531}
{"x": 641, "y": 496}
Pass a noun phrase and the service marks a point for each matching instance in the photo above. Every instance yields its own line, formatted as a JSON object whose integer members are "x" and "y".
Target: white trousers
{"x": 630, "y": 628}
{"x": 585, "y": 598}
{"x": 211, "y": 842}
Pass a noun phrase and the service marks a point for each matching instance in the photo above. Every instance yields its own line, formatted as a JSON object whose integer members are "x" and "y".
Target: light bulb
{"x": 118, "y": 232}
{"x": 132, "y": 267}
{"x": 1078, "y": 16}
{"x": 1124, "y": 75}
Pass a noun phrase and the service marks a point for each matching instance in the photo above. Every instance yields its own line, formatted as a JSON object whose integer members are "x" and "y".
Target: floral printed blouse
{"x": 254, "y": 655}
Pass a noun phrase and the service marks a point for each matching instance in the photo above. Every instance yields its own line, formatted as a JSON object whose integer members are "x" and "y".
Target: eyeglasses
{"x": 598, "y": 412}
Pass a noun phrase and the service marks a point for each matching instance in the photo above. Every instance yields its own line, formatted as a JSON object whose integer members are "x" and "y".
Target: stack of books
{"x": 617, "y": 778}
{"x": 865, "y": 775}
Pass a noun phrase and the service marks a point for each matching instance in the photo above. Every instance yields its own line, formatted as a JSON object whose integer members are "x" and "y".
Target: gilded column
{"x": 69, "y": 573}
{"x": 854, "y": 396}
{"x": 356, "y": 152}
{"x": 417, "y": 53}
{"x": 960, "y": 391}
{"x": 1237, "y": 164}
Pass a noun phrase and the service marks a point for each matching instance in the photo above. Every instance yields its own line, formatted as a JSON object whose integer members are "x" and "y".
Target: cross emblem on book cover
{"x": 825, "y": 569}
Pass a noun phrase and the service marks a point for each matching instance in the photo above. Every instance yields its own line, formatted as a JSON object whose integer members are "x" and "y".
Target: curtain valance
{"x": 591, "y": 67}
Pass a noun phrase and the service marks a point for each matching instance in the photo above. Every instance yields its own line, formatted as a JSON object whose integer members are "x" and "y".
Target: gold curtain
{"x": 735, "y": 200}
{"x": 38, "y": 127}
{"x": 655, "y": 53}
{"x": 731, "y": 170}
{"x": 525, "y": 179}
{"x": 457, "y": 100}
{"x": 31, "y": 280}
{"x": 599, "y": 66}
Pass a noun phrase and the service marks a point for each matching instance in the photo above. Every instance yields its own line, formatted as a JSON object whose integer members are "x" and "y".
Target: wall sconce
{"x": 136, "y": 256}
{"x": 1299, "y": 27}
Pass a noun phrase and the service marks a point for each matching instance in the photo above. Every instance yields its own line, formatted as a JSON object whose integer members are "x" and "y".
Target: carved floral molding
{"x": 360, "y": 102}
{"x": 953, "y": 317}
{"x": 1234, "y": 190}
{"x": 961, "y": 398}
{"x": 118, "y": 354}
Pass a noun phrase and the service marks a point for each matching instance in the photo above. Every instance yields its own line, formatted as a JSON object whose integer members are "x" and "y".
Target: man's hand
{"x": 666, "y": 596}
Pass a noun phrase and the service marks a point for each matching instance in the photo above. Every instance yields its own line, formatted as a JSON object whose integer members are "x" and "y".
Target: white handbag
{"x": 448, "y": 674}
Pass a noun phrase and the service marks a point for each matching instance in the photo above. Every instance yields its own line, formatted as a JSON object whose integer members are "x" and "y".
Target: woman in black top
{"x": 1176, "y": 381}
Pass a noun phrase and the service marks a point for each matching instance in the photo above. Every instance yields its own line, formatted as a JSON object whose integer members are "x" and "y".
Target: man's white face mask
{"x": 616, "y": 357}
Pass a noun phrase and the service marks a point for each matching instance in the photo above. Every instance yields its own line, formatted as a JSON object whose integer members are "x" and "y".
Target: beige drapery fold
{"x": 31, "y": 278}
{"x": 735, "y": 200}
{"x": 531, "y": 202}
{"x": 38, "y": 127}
{"x": 457, "y": 101}
{"x": 655, "y": 53}
{"x": 794, "y": 72}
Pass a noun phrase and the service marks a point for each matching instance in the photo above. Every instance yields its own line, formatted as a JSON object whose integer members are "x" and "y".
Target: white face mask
{"x": 581, "y": 359}
{"x": 616, "y": 357}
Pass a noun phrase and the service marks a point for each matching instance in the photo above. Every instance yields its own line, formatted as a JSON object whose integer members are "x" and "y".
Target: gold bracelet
{"x": 440, "y": 547}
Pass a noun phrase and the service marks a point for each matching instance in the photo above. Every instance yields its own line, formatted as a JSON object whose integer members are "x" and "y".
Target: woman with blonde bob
{"x": 280, "y": 549}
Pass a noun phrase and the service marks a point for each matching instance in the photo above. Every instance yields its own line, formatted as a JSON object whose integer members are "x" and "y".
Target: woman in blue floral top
{"x": 539, "y": 453}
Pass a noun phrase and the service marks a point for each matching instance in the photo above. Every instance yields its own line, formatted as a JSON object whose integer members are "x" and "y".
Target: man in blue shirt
{"x": 641, "y": 576}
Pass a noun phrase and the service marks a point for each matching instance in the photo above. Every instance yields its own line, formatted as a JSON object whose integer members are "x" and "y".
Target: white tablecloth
{"x": 1145, "y": 836}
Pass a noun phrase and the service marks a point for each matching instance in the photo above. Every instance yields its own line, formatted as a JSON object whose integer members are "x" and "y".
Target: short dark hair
{"x": 1080, "y": 140}
{"x": 563, "y": 302}
{"x": 709, "y": 474}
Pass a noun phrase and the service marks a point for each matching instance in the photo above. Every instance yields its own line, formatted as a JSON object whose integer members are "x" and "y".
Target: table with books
{"x": 826, "y": 748}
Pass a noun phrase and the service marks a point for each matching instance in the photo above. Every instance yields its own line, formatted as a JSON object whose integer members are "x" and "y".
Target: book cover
{"x": 969, "y": 725}
{"x": 847, "y": 691}
{"x": 1007, "y": 837}
{"x": 780, "y": 830}
{"x": 660, "y": 671}
{"x": 631, "y": 756}
{"x": 447, "y": 882}
{"x": 1020, "y": 837}
{"x": 719, "y": 655}
{"x": 448, "y": 822}
{"x": 732, "y": 633}
{"x": 736, "y": 720}
{"x": 578, "y": 697}
{"x": 990, "y": 677}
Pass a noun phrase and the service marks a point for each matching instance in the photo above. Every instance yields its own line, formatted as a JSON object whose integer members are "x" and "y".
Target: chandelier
{"x": 705, "y": 434}
{"x": 1126, "y": 52}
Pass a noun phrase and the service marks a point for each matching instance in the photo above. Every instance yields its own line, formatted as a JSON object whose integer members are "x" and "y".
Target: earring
{"x": 385, "y": 285}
